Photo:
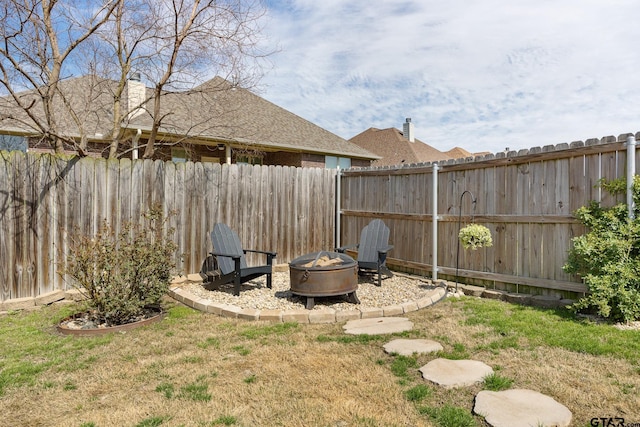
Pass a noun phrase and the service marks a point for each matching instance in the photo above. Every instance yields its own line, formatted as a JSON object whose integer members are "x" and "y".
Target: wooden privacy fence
{"x": 526, "y": 199}
{"x": 45, "y": 199}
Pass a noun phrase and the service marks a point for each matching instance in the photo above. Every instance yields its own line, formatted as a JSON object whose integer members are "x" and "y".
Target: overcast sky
{"x": 479, "y": 74}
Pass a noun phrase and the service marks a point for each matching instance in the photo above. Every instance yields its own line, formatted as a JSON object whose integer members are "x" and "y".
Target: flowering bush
{"x": 123, "y": 274}
{"x": 475, "y": 236}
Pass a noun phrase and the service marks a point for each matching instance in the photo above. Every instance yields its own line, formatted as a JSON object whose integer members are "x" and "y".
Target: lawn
{"x": 195, "y": 369}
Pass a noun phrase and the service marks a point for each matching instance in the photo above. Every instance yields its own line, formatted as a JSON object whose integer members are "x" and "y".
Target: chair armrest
{"x": 273, "y": 254}
{"x": 385, "y": 249}
{"x": 344, "y": 248}
{"x": 234, "y": 256}
{"x": 270, "y": 255}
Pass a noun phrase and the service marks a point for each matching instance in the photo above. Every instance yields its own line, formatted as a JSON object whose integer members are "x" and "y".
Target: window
{"x": 13, "y": 143}
{"x": 333, "y": 162}
{"x": 208, "y": 159}
{"x": 178, "y": 155}
{"x": 245, "y": 159}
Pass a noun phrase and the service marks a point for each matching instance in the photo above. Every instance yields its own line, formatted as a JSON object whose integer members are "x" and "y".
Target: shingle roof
{"x": 213, "y": 111}
{"x": 90, "y": 98}
{"x": 216, "y": 111}
{"x": 458, "y": 152}
{"x": 395, "y": 149}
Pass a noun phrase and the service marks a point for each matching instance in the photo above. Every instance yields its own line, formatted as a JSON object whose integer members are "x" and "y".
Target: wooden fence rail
{"x": 526, "y": 199}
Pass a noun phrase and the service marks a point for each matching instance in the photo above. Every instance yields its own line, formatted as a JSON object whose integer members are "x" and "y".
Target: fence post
{"x": 631, "y": 171}
{"x": 338, "y": 209}
{"x": 434, "y": 223}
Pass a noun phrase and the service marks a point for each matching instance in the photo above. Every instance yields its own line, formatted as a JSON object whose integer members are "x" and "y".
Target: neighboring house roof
{"x": 210, "y": 113}
{"x": 458, "y": 152}
{"x": 394, "y": 149}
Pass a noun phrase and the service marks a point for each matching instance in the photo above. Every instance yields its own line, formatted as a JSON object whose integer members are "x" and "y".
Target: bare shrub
{"x": 123, "y": 273}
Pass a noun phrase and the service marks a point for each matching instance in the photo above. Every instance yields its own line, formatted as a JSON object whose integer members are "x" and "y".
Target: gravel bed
{"x": 254, "y": 294}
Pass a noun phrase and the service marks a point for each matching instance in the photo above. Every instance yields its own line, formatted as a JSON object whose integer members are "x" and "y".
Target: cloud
{"x": 483, "y": 75}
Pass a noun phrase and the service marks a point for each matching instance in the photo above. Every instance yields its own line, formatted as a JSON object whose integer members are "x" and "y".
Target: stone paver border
{"x": 326, "y": 315}
{"x": 63, "y": 296}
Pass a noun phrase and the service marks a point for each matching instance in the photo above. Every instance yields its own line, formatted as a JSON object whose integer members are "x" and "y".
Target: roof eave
{"x": 212, "y": 139}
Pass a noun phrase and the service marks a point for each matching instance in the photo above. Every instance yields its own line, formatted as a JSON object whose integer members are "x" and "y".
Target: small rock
{"x": 89, "y": 325}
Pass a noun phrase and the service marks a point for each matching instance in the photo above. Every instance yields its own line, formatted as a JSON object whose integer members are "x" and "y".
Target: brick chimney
{"x": 136, "y": 95}
{"x": 407, "y": 130}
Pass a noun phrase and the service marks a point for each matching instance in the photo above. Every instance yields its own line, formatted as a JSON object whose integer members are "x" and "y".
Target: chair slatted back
{"x": 374, "y": 236}
{"x": 226, "y": 241}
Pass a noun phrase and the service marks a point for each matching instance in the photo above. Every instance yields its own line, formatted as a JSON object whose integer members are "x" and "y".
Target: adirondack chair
{"x": 232, "y": 265}
{"x": 372, "y": 249}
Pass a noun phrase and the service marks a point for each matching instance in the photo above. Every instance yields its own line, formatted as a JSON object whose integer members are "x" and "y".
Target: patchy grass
{"x": 418, "y": 393}
{"x": 458, "y": 351}
{"x": 196, "y": 369}
{"x": 401, "y": 364}
{"x": 497, "y": 382}
{"x": 153, "y": 422}
{"x": 29, "y": 348}
{"x": 449, "y": 416}
{"x": 553, "y": 328}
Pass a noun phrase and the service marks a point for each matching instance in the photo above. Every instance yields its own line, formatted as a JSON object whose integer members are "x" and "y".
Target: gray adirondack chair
{"x": 372, "y": 249}
{"x": 232, "y": 265}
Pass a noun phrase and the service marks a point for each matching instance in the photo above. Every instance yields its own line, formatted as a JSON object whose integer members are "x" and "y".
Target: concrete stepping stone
{"x": 520, "y": 408}
{"x": 405, "y": 347}
{"x": 455, "y": 373}
{"x": 378, "y": 326}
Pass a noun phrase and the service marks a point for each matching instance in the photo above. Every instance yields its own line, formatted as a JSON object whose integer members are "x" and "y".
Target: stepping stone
{"x": 406, "y": 347}
{"x": 520, "y": 407}
{"x": 455, "y": 373}
{"x": 378, "y": 326}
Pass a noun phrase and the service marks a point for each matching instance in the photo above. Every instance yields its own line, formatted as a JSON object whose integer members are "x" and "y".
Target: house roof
{"x": 458, "y": 152}
{"x": 210, "y": 113}
{"x": 217, "y": 111}
{"x": 90, "y": 99}
{"x": 394, "y": 149}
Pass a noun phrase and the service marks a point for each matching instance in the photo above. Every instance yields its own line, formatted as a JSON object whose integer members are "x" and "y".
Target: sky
{"x": 483, "y": 75}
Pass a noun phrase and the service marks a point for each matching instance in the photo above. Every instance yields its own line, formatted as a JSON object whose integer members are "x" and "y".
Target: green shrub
{"x": 123, "y": 273}
{"x": 608, "y": 258}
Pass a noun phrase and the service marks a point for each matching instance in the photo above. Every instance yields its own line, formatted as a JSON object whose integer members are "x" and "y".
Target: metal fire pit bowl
{"x": 310, "y": 278}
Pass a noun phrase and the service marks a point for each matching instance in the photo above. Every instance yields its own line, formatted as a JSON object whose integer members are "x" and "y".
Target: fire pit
{"x": 324, "y": 274}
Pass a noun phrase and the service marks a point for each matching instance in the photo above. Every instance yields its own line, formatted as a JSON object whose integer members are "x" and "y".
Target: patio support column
{"x": 134, "y": 143}
{"x": 227, "y": 154}
{"x": 631, "y": 172}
